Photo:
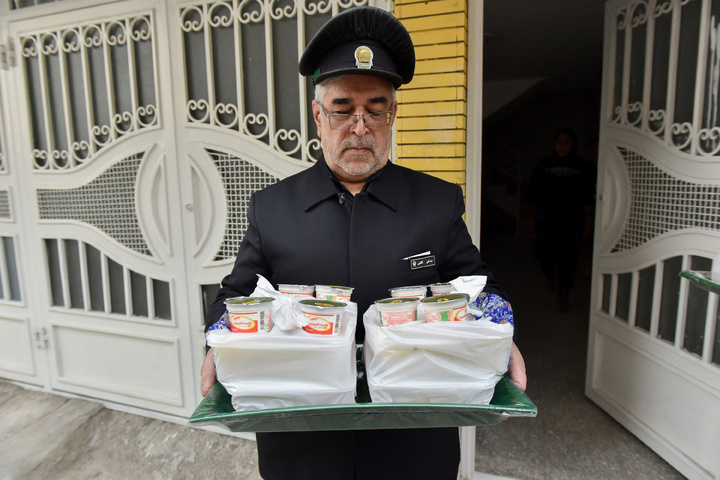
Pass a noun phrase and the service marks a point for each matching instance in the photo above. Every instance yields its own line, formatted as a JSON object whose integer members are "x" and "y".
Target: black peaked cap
{"x": 334, "y": 48}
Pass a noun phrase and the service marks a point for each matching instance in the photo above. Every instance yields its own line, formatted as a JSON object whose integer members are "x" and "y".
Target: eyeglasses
{"x": 347, "y": 121}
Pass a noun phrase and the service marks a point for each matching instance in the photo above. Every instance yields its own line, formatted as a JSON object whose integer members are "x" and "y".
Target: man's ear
{"x": 316, "y": 116}
{"x": 394, "y": 114}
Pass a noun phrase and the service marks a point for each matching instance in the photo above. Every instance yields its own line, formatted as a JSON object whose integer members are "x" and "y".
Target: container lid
{"x": 447, "y": 298}
{"x": 393, "y": 301}
{"x": 314, "y": 302}
{"x": 411, "y": 287}
{"x": 248, "y": 300}
{"x": 400, "y": 304}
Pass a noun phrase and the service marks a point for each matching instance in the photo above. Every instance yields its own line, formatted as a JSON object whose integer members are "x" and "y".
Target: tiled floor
{"x": 571, "y": 438}
{"x": 51, "y": 437}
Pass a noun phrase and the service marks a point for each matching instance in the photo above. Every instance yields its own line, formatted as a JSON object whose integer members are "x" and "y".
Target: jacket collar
{"x": 385, "y": 187}
{"x": 320, "y": 185}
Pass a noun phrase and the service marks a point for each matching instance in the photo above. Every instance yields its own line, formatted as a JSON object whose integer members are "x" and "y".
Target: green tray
{"x": 508, "y": 401}
{"x": 702, "y": 279}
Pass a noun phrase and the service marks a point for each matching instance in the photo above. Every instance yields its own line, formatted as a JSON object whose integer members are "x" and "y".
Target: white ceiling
{"x": 543, "y": 44}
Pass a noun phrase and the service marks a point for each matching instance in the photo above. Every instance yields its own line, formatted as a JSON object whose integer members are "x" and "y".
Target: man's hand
{"x": 207, "y": 373}
{"x": 516, "y": 369}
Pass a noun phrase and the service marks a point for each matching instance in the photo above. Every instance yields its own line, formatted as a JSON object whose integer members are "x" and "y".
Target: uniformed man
{"x": 356, "y": 219}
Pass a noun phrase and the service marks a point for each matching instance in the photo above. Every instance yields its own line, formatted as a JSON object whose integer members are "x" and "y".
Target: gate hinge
{"x": 7, "y": 54}
{"x": 41, "y": 338}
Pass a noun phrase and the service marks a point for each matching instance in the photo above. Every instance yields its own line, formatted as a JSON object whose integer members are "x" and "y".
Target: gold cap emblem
{"x": 363, "y": 57}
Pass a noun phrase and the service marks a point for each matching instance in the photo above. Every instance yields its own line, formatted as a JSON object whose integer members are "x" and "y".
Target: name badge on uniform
{"x": 422, "y": 262}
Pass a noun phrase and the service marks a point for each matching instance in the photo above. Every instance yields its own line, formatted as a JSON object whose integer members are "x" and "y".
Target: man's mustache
{"x": 346, "y": 144}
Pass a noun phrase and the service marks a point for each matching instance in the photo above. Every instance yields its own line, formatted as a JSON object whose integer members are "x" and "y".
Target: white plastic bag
{"x": 285, "y": 311}
{"x": 472, "y": 285}
{"x": 287, "y": 368}
{"x": 443, "y": 362}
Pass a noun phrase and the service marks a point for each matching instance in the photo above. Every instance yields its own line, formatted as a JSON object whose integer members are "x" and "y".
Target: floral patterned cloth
{"x": 493, "y": 307}
{"x": 221, "y": 324}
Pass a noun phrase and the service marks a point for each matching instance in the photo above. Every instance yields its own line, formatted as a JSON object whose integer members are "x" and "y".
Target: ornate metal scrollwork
{"x": 663, "y": 7}
{"x": 253, "y": 16}
{"x": 656, "y": 121}
{"x": 709, "y": 140}
{"x": 633, "y": 114}
{"x": 681, "y": 135}
{"x": 699, "y": 136}
{"x": 247, "y": 17}
{"x": 226, "y": 115}
{"x": 639, "y": 13}
{"x": 70, "y": 40}
{"x": 314, "y": 146}
{"x": 253, "y": 119}
{"x": 220, "y": 15}
{"x": 102, "y": 80}
{"x": 286, "y": 136}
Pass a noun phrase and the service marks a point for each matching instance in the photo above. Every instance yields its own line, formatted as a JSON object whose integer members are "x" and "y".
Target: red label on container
{"x": 244, "y": 323}
{"x": 320, "y": 324}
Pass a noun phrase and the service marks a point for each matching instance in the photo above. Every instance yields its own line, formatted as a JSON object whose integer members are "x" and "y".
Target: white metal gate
{"x": 132, "y": 135}
{"x": 654, "y": 351}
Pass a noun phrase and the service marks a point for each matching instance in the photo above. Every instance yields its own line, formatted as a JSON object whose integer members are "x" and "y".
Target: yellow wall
{"x": 431, "y": 124}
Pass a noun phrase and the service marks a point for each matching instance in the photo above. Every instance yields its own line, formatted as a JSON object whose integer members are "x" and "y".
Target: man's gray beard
{"x": 347, "y": 162}
{"x": 366, "y": 167}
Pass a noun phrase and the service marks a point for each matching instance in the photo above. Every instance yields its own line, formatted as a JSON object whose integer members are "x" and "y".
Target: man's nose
{"x": 359, "y": 129}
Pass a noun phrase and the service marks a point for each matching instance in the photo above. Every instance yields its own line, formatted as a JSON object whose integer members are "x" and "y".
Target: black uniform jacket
{"x": 307, "y": 229}
{"x": 302, "y": 232}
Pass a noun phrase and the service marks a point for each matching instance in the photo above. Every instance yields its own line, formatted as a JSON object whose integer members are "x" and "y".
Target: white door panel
{"x": 127, "y": 365}
{"x": 16, "y": 348}
{"x": 138, "y": 131}
{"x": 22, "y": 343}
{"x": 654, "y": 348}
{"x": 100, "y": 203}
{"x": 627, "y": 385}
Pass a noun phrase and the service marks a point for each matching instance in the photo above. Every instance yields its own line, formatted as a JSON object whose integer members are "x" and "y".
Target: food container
{"x": 287, "y": 368}
{"x": 440, "y": 288}
{"x": 333, "y": 293}
{"x": 249, "y": 314}
{"x": 446, "y": 308}
{"x": 397, "y": 311}
{"x": 296, "y": 290}
{"x": 438, "y": 362}
{"x": 324, "y": 316}
{"x": 415, "y": 291}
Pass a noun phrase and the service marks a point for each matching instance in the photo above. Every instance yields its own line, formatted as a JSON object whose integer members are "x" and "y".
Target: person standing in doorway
{"x": 561, "y": 187}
